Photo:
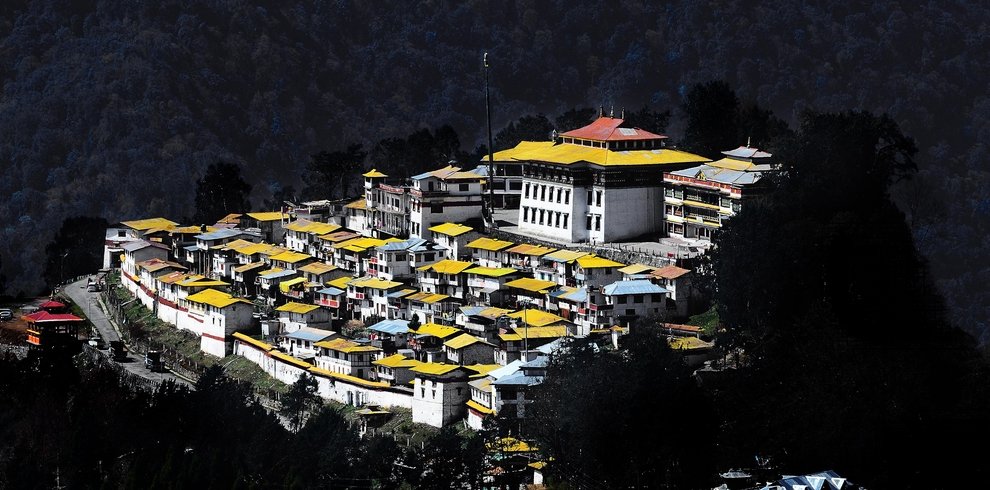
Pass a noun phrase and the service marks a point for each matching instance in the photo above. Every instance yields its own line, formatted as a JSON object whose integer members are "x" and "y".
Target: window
{"x": 567, "y": 197}
{"x": 589, "y": 222}
{"x": 559, "y": 192}
{"x": 598, "y": 198}
{"x": 463, "y": 187}
{"x": 630, "y": 312}
{"x": 558, "y": 217}
{"x": 429, "y": 257}
{"x": 459, "y": 391}
{"x": 515, "y": 186}
{"x": 566, "y": 216}
{"x": 436, "y": 208}
{"x": 525, "y": 214}
{"x": 541, "y": 216}
{"x": 422, "y": 392}
{"x": 360, "y": 373}
{"x": 598, "y": 223}
{"x": 638, "y": 298}
{"x": 589, "y": 199}
{"x": 431, "y": 186}
{"x": 543, "y": 193}
{"x": 434, "y": 392}
{"x": 121, "y": 233}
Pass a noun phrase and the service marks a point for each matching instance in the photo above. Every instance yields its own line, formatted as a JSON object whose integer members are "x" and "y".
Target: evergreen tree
{"x": 219, "y": 192}
{"x": 299, "y": 400}
{"x": 76, "y": 249}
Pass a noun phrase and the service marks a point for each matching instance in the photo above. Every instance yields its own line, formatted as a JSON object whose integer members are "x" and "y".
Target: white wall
{"x": 576, "y": 209}
{"x": 631, "y": 212}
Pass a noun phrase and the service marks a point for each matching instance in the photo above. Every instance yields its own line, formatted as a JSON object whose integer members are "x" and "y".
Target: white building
{"x": 293, "y": 316}
{"x": 399, "y": 260}
{"x": 439, "y": 393}
{"x": 626, "y": 301}
{"x": 222, "y": 315}
{"x": 699, "y": 199}
{"x": 600, "y": 183}
{"x": 490, "y": 252}
{"x": 346, "y": 357}
{"x": 387, "y": 206}
{"x": 444, "y": 195}
{"x": 454, "y": 237}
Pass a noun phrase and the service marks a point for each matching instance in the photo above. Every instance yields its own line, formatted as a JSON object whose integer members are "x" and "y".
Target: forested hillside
{"x": 115, "y": 108}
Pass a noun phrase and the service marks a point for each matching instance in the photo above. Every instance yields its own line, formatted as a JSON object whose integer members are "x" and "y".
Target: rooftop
{"x": 214, "y": 298}
{"x": 451, "y": 229}
{"x": 636, "y": 286}
{"x": 607, "y": 129}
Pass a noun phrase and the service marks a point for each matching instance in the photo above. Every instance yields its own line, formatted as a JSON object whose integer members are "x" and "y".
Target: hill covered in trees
{"x": 115, "y": 109}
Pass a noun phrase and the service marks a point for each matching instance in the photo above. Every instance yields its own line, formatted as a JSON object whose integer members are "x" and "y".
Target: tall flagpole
{"x": 491, "y": 157}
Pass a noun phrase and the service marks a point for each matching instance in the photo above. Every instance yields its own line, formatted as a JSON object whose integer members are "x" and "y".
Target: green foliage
{"x": 648, "y": 119}
{"x": 574, "y": 118}
{"x": 846, "y": 346}
{"x": 219, "y": 192}
{"x": 300, "y": 400}
{"x": 526, "y": 128}
{"x": 708, "y": 321}
{"x": 447, "y": 460}
{"x": 716, "y": 121}
{"x": 419, "y": 152}
{"x": 623, "y": 418}
{"x": 414, "y": 322}
{"x": 330, "y": 173}
{"x": 77, "y": 249}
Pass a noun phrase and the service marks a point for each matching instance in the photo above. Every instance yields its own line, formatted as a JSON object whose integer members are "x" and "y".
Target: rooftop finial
{"x": 601, "y": 110}
{"x": 611, "y": 111}
{"x": 747, "y": 141}
{"x": 622, "y": 114}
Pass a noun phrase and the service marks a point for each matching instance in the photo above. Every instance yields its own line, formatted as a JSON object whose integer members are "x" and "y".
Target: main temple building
{"x": 600, "y": 183}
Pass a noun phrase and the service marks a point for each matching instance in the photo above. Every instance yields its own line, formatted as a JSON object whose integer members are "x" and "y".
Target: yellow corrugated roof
{"x": 347, "y": 346}
{"x": 360, "y": 244}
{"x": 511, "y": 445}
{"x": 451, "y": 229}
{"x": 436, "y": 330}
{"x": 318, "y": 268}
{"x": 547, "y": 332}
{"x": 478, "y": 407}
{"x": 490, "y": 244}
{"x": 197, "y": 281}
{"x": 254, "y": 248}
{"x": 688, "y": 343}
{"x": 434, "y": 368}
{"x": 397, "y": 361}
{"x": 536, "y": 318}
{"x": 731, "y": 164}
{"x": 293, "y": 307}
{"x": 527, "y": 249}
{"x": 255, "y": 342}
{"x": 318, "y": 228}
{"x": 269, "y": 216}
{"x": 493, "y": 312}
{"x": 215, "y": 298}
{"x": 483, "y": 369}
{"x": 236, "y": 244}
{"x": 298, "y": 225}
{"x": 373, "y": 173}
{"x": 567, "y": 154}
{"x": 290, "y": 257}
{"x": 636, "y": 269}
{"x": 491, "y": 271}
{"x": 270, "y": 271}
{"x": 428, "y": 298}
{"x": 565, "y": 255}
{"x": 285, "y": 285}
{"x": 148, "y": 223}
{"x": 273, "y": 250}
{"x": 462, "y": 341}
{"x": 596, "y": 262}
{"x": 359, "y": 204}
{"x": 510, "y": 337}
{"x": 373, "y": 283}
{"x": 447, "y": 266}
{"x": 532, "y": 285}
{"x": 289, "y": 359}
{"x": 340, "y": 282}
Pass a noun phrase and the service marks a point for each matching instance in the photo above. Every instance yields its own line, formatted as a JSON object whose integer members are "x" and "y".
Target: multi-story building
{"x": 386, "y": 206}
{"x": 506, "y": 185}
{"x": 443, "y": 195}
{"x": 699, "y": 199}
{"x": 400, "y": 259}
{"x": 599, "y": 183}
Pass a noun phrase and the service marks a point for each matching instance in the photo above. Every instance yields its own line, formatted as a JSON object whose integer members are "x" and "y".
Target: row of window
{"x": 540, "y": 193}
{"x": 555, "y": 219}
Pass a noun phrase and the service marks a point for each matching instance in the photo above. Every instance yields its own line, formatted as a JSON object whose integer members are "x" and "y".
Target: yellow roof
{"x": 184, "y": 229}
{"x": 636, "y": 269}
{"x": 317, "y": 268}
{"x": 731, "y": 164}
{"x": 348, "y": 378}
{"x": 451, "y": 229}
{"x": 373, "y": 283}
{"x": 338, "y": 236}
{"x": 232, "y": 218}
{"x": 215, "y": 298}
{"x": 397, "y": 361}
{"x": 479, "y": 407}
{"x": 285, "y": 285}
{"x": 269, "y": 216}
{"x": 236, "y": 244}
{"x": 291, "y": 257}
{"x": 340, "y": 282}
{"x": 255, "y": 342}
{"x": 483, "y": 369}
{"x": 596, "y": 262}
{"x": 532, "y": 285}
{"x": 298, "y": 225}
{"x": 289, "y": 359}
{"x": 318, "y": 228}
{"x": 548, "y": 332}
{"x": 293, "y": 307}
{"x": 360, "y": 244}
{"x": 359, "y": 204}
{"x": 462, "y": 341}
{"x": 428, "y": 298}
{"x": 373, "y": 173}
{"x": 491, "y": 271}
{"x": 148, "y": 223}
{"x": 490, "y": 244}
{"x": 511, "y": 445}
{"x": 447, "y": 266}
{"x": 273, "y": 250}
{"x": 507, "y": 155}
{"x": 346, "y": 346}
{"x": 436, "y": 330}
{"x": 688, "y": 343}
{"x": 493, "y": 312}
{"x": 536, "y": 318}
{"x": 434, "y": 368}
{"x": 527, "y": 249}
{"x": 197, "y": 281}
{"x": 254, "y": 248}
{"x": 565, "y": 255}
{"x": 249, "y": 266}
{"x": 270, "y": 271}
{"x": 567, "y": 154}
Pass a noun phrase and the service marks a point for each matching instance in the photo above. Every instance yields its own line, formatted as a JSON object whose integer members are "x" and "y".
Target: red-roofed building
{"x": 606, "y": 129}
{"x": 53, "y": 330}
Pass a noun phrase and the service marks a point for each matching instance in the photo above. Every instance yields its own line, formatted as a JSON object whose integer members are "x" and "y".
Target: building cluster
{"x": 450, "y": 322}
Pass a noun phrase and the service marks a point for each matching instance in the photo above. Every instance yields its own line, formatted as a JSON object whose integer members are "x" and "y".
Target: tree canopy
{"x": 221, "y": 191}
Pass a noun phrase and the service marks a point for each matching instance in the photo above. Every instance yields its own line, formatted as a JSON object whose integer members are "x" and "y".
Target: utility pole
{"x": 491, "y": 157}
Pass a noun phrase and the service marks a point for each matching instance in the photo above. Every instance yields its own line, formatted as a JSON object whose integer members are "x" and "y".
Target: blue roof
{"x": 506, "y": 370}
{"x": 309, "y": 334}
{"x": 518, "y": 379}
{"x": 472, "y": 310}
{"x": 825, "y": 480}
{"x": 331, "y": 291}
{"x": 219, "y": 234}
{"x": 579, "y": 295}
{"x": 403, "y": 245}
{"x": 189, "y": 248}
{"x": 636, "y": 286}
{"x": 391, "y": 327}
{"x": 400, "y": 293}
{"x": 276, "y": 275}
{"x": 539, "y": 362}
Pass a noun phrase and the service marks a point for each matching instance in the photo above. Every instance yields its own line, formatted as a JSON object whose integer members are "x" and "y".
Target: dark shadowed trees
{"x": 527, "y": 128}
{"x": 76, "y": 249}
{"x": 329, "y": 173}
{"x": 221, "y": 191}
{"x": 574, "y": 118}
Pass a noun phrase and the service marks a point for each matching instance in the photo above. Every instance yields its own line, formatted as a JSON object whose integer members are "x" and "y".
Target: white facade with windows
{"x": 443, "y": 195}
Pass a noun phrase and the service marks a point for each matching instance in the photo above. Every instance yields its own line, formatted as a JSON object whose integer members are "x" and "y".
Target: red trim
{"x": 214, "y": 337}
{"x": 190, "y": 315}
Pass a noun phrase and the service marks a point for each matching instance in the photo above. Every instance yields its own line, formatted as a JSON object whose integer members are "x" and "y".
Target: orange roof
{"x": 670, "y": 272}
{"x": 607, "y": 129}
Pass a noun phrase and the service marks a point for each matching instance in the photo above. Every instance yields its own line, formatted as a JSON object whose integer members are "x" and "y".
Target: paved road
{"x": 89, "y": 302}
